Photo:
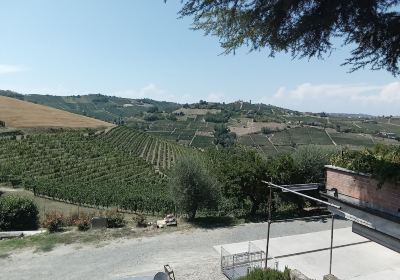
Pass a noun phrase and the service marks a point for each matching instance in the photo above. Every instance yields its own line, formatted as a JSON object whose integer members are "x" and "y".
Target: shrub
{"x": 18, "y": 213}
{"x": 71, "y": 220}
{"x": 83, "y": 223}
{"x": 266, "y": 130}
{"x": 151, "y": 117}
{"x": 153, "y": 109}
{"x": 269, "y": 274}
{"x": 141, "y": 221}
{"x": 53, "y": 221}
{"x": 115, "y": 219}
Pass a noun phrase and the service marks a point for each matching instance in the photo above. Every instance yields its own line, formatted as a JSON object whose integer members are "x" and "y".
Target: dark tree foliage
{"x": 305, "y": 28}
{"x": 223, "y": 136}
{"x": 382, "y": 162}
{"x": 217, "y": 118}
{"x": 241, "y": 172}
{"x": 305, "y": 165}
{"x": 18, "y": 213}
{"x": 153, "y": 109}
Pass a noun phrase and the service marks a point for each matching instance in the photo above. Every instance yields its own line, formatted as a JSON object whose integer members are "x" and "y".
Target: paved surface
{"x": 354, "y": 257}
{"x": 190, "y": 254}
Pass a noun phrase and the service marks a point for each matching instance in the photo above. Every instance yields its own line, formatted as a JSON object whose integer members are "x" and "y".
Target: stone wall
{"x": 361, "y": 187}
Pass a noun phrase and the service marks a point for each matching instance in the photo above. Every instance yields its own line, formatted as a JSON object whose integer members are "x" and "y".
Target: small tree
{"x": 193, "y": 187}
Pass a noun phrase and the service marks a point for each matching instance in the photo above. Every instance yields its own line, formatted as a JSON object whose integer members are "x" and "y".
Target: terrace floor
{"x": 354, "y": 257}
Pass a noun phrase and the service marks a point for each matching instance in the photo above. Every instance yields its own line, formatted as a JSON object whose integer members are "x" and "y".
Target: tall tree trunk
{"x": 192, "y": 213}
{"x": 254, "y": 207}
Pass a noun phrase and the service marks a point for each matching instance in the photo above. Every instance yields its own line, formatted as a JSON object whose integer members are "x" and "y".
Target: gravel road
{"x": 190, "y": 253}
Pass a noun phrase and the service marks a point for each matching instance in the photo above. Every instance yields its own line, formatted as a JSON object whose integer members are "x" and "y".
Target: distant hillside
{"x": 102, "y": 107}
{"x": 268, "y": 129}
{"x": 20, "y": 114}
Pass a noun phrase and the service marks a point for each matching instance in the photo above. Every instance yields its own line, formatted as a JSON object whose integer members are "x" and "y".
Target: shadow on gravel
{"x": 215, "y": 222}
{"x": 226, "y": 221}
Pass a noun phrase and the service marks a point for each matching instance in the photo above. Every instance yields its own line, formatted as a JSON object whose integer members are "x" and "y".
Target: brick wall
{"x": 363, "y": 188}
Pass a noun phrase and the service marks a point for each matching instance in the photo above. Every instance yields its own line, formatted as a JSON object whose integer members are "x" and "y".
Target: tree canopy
{"x": 305, "y": 28}
{"x": 193, "y": 187}
{"x": 240, "y": 172}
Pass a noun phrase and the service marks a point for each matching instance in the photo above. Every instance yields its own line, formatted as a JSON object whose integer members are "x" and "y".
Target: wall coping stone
{"x": 333, "y": 167}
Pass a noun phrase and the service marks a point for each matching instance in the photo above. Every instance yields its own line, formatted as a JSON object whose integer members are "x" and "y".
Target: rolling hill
{"x": 21, "y": 114}
{"x": 266, "y": 128}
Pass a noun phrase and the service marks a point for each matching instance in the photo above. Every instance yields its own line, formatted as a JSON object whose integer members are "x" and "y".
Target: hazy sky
{"x": 139, "y": 48}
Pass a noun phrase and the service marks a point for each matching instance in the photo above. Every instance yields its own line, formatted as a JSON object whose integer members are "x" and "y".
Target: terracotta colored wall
{"x": 364, "y": 189}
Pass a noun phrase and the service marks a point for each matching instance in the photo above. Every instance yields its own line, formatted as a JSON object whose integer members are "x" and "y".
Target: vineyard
{"x": 155, "y": 150}
{"x": 109, "y": 169}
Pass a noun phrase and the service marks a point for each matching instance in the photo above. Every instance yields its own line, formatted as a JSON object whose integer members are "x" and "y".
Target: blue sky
{"x": 140, "y": 48}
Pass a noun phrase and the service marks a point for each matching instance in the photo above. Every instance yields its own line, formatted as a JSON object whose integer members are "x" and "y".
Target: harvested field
{"x": 22, "y": 114}
{"x": 249, "y": 127}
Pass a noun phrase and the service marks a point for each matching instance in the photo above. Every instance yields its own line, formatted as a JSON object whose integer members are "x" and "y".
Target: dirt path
{"x": 333, "y": 142}
{"x": 190, "y": 253}
{"x": 6, "y": 189}
{"x": 194, "y": 136}
{"x": 257, "y": 146}
{"x": 276, "y": 149}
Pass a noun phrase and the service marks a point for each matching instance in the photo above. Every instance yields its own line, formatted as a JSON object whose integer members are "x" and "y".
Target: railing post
{"x": 269, "y": 225}
{"x": 331, "y": 249}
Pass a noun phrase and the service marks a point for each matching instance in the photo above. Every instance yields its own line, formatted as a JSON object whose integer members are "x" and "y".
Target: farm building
{"x": 389, "y": 135}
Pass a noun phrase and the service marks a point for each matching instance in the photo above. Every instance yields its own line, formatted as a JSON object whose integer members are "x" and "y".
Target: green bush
{"x": 269, "y": 274}
{"x": 53, "y": 221}
{"x": 115, "y": 219}
{"x": 18, "y": 213}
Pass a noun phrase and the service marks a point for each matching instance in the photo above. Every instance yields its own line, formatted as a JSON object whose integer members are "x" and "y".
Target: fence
{"x": 237, "y": 265}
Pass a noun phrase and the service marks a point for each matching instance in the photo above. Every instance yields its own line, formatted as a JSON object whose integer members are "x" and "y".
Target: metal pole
{"x": 270, "y": 186}
{"x": 269, "y": 226}
{"x": 300, "y": 194}
{"x": 330, "y": 257}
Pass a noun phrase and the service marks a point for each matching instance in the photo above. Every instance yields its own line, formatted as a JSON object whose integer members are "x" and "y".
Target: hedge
{"x": 269, "y": 274}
